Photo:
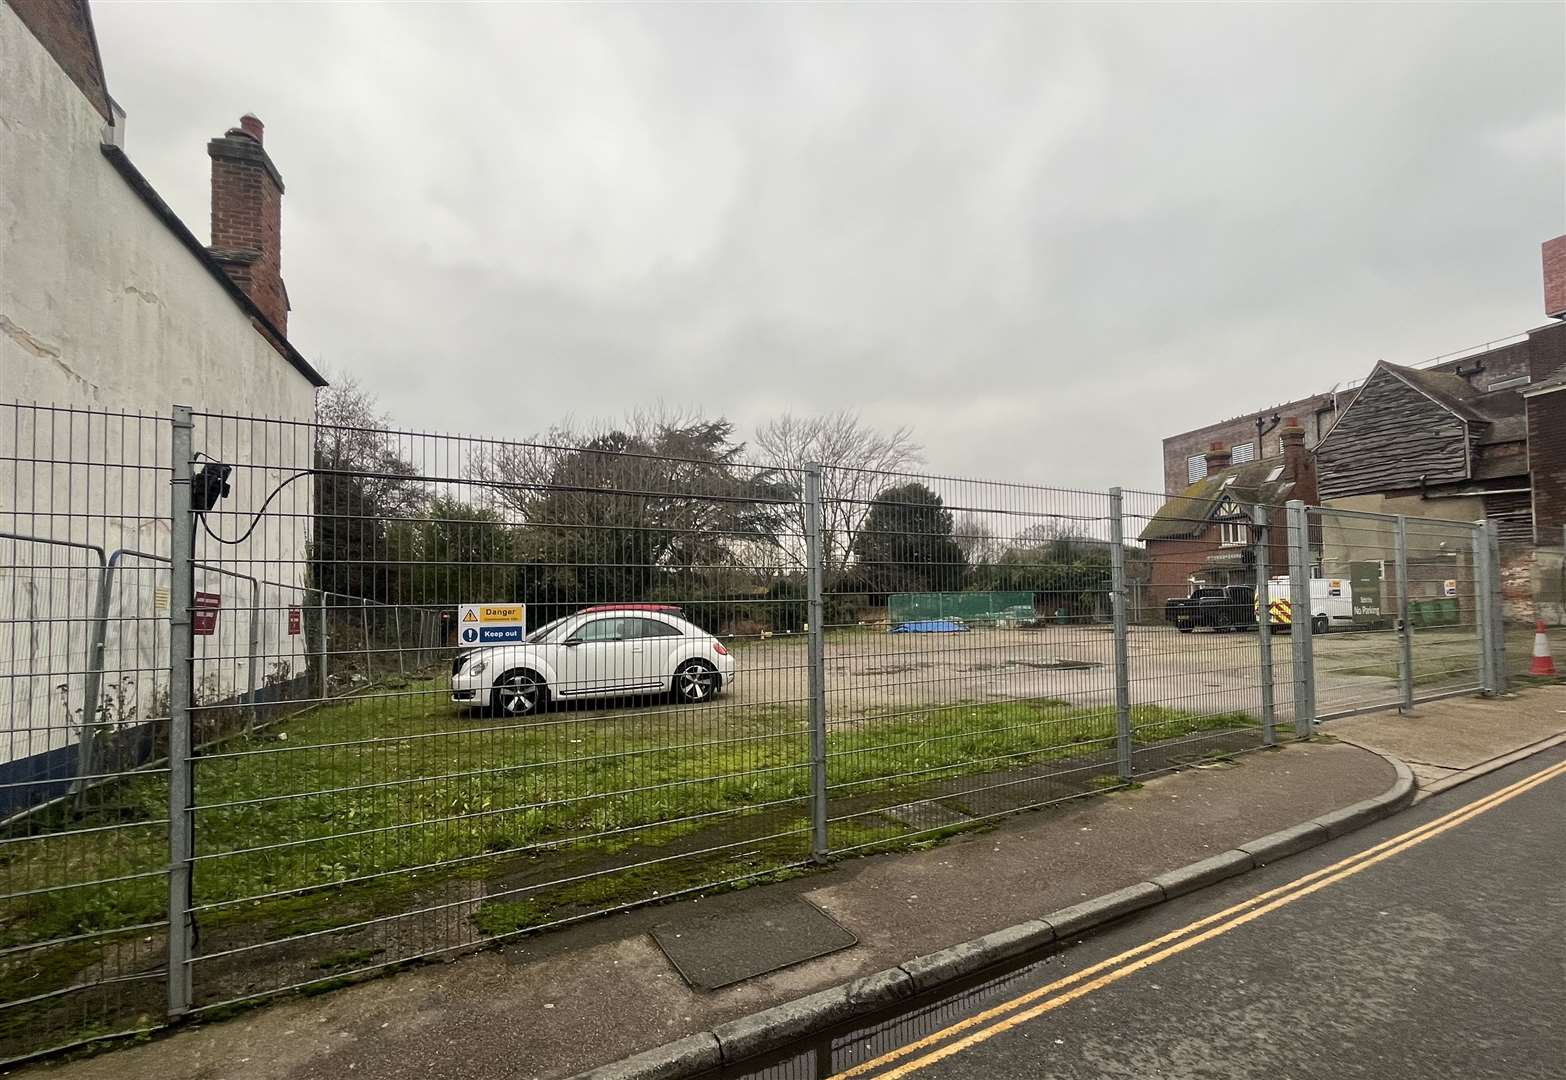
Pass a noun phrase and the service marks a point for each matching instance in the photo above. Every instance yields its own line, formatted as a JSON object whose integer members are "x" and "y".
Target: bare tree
{"x": 855, "y": 459}
{"x": 977, "y": 539}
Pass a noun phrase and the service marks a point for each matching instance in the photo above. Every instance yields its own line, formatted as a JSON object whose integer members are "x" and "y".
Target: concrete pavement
{"x": 1436, "y": 957}
{"x": 1447, "y": 740}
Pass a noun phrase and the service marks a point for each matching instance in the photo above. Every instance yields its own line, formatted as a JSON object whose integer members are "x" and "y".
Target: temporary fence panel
{"x": 978, "y": 607}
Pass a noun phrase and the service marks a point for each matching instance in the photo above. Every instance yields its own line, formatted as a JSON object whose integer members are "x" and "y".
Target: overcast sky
{"x": 1042, "y": 236}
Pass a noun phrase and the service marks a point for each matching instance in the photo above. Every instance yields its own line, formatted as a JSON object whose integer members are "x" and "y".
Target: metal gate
{"x": 1400, "y": 608}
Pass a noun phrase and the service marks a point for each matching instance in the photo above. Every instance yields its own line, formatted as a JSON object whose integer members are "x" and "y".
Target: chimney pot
{"x": 250, "y": 124}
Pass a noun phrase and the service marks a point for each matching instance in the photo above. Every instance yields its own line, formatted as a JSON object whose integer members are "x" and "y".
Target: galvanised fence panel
{"x": 1398, "y": 609}
{"x": 935, "y": 719}
{"x": 1211, "y": 675}
{"x": 644, "y": 750}
{"x": 84, "y": 704}
{"x": 363, "y": 696}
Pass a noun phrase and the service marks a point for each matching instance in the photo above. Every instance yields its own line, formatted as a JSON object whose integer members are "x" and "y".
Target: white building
{"x": 111, "y": 311}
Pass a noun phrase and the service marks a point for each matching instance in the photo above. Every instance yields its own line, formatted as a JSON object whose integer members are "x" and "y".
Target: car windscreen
{"x": 547, "y": 632}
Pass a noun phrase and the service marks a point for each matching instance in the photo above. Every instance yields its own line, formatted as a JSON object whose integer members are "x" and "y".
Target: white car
{"x": 598, "y": 653}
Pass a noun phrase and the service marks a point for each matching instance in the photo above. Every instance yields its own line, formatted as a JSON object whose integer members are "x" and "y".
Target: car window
{"x": 603, "y": 630}
{"x": 651, "y": 628}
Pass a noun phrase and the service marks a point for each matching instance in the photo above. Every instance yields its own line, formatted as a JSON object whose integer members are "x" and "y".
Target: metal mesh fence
{"x": 366, "y": 696}
{"x": 83, "y": 853}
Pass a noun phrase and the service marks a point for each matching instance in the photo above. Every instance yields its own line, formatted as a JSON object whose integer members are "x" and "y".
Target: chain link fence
{"x": 300, "y": 764}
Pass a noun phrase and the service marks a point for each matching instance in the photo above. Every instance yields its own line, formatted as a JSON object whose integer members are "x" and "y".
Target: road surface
{"x": 1432, "y": 945}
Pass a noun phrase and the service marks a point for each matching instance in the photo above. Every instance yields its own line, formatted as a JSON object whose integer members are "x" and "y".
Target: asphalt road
{"x": 1444, "y": 957}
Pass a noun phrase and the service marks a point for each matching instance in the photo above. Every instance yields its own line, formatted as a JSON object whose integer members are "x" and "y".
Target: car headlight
{"x": 476, "y": 668}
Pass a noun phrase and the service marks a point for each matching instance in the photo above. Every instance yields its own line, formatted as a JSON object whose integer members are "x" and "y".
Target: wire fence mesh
{"x": 383, "y": 695}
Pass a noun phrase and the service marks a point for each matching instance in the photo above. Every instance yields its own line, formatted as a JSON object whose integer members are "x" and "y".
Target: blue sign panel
{"x": 498, "y": 635}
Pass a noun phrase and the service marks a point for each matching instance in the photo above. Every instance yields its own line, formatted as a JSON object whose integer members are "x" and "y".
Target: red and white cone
{"x": 1543, "y": 662}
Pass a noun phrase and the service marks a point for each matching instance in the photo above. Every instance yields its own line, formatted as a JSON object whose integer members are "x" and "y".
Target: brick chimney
{"x": 247, "y": 217}
{"x": 1217, "y": 458}
{"x": 1299, "y": 464}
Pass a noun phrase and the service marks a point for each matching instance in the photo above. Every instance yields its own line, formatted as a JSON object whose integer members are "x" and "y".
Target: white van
{"x": 1331, "y": 602}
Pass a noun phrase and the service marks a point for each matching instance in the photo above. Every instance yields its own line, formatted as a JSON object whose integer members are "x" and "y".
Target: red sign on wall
{"x": 204, "y": 619}
{"x": 295, "y": 621}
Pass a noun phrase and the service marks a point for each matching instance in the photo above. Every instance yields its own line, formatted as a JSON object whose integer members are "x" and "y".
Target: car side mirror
{"x": 571, "y": 643}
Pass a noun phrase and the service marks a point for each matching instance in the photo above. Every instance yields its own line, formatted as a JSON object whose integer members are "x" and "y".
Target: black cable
{"x": 257, "y": 519}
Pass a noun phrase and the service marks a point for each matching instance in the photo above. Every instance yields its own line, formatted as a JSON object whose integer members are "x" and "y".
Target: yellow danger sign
{"x": 508, "y": 613}
{"x": 469, "y": 615}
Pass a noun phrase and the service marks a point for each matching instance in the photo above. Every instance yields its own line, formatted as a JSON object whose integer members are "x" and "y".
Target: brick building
{"x": 1203, "y": 534}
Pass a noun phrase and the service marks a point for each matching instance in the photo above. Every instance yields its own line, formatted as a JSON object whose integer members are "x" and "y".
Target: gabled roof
{"x": 1452, "y": 392}
{"x": 1189, "y": 513}
{"x": 1492, "y": 416}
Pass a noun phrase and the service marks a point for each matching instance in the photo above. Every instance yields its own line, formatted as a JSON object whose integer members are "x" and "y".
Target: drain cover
{"x": 716, "y": 950}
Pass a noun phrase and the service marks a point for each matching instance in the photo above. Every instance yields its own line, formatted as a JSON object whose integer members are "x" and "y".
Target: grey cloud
{"x": 1045, "y": 236}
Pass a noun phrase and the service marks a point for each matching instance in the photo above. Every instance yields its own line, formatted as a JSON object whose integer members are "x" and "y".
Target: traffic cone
{"x": 1543, "y": 662}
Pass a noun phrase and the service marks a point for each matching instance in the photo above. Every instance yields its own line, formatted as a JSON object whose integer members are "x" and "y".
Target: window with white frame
{"x": 1195, "y": 468}
{"x": 1231, "y": 524}
{"x": 1245, "y": 451}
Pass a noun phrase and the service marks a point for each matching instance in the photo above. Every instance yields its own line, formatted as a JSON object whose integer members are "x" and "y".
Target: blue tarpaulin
{"x": 930, "y": 626}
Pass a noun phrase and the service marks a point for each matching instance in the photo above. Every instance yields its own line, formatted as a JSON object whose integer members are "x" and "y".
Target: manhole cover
{"x": 714, "y": 950}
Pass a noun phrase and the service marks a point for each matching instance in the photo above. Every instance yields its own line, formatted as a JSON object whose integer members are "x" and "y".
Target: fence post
{"x": 92, "y": 681}
{"x": 325, "y": 688}
{"x": 182, "y": 597}
{"x": 816, "y": 663}
{"x": 1405, "y": 629}
{"x": 1117, "y": 607}
{"x": 255, "y": 654}
{"x": 1300, "y": 631}
{"x": 1496, "y": 615}
{"x": 402, "y": 668}
{"x": 1261, "y": 537}
{"x": 364, "y": 623}
{"x": 1482, "y": 608}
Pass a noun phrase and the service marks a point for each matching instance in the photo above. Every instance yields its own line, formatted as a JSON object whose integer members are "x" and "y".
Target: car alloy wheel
{"x": 518, "y": 693}
{"x": 695, "y": 682}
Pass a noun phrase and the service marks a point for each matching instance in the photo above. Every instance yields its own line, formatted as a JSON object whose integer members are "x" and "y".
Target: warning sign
{"x": 203, "y": 620}
{"x": 1449, "y": 587}
{"x": 491, "y": 624}
{"x": 295, "y": 621}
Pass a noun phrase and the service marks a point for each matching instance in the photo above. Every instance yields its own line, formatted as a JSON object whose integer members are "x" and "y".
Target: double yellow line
{"x": 1019, "y": 1010}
